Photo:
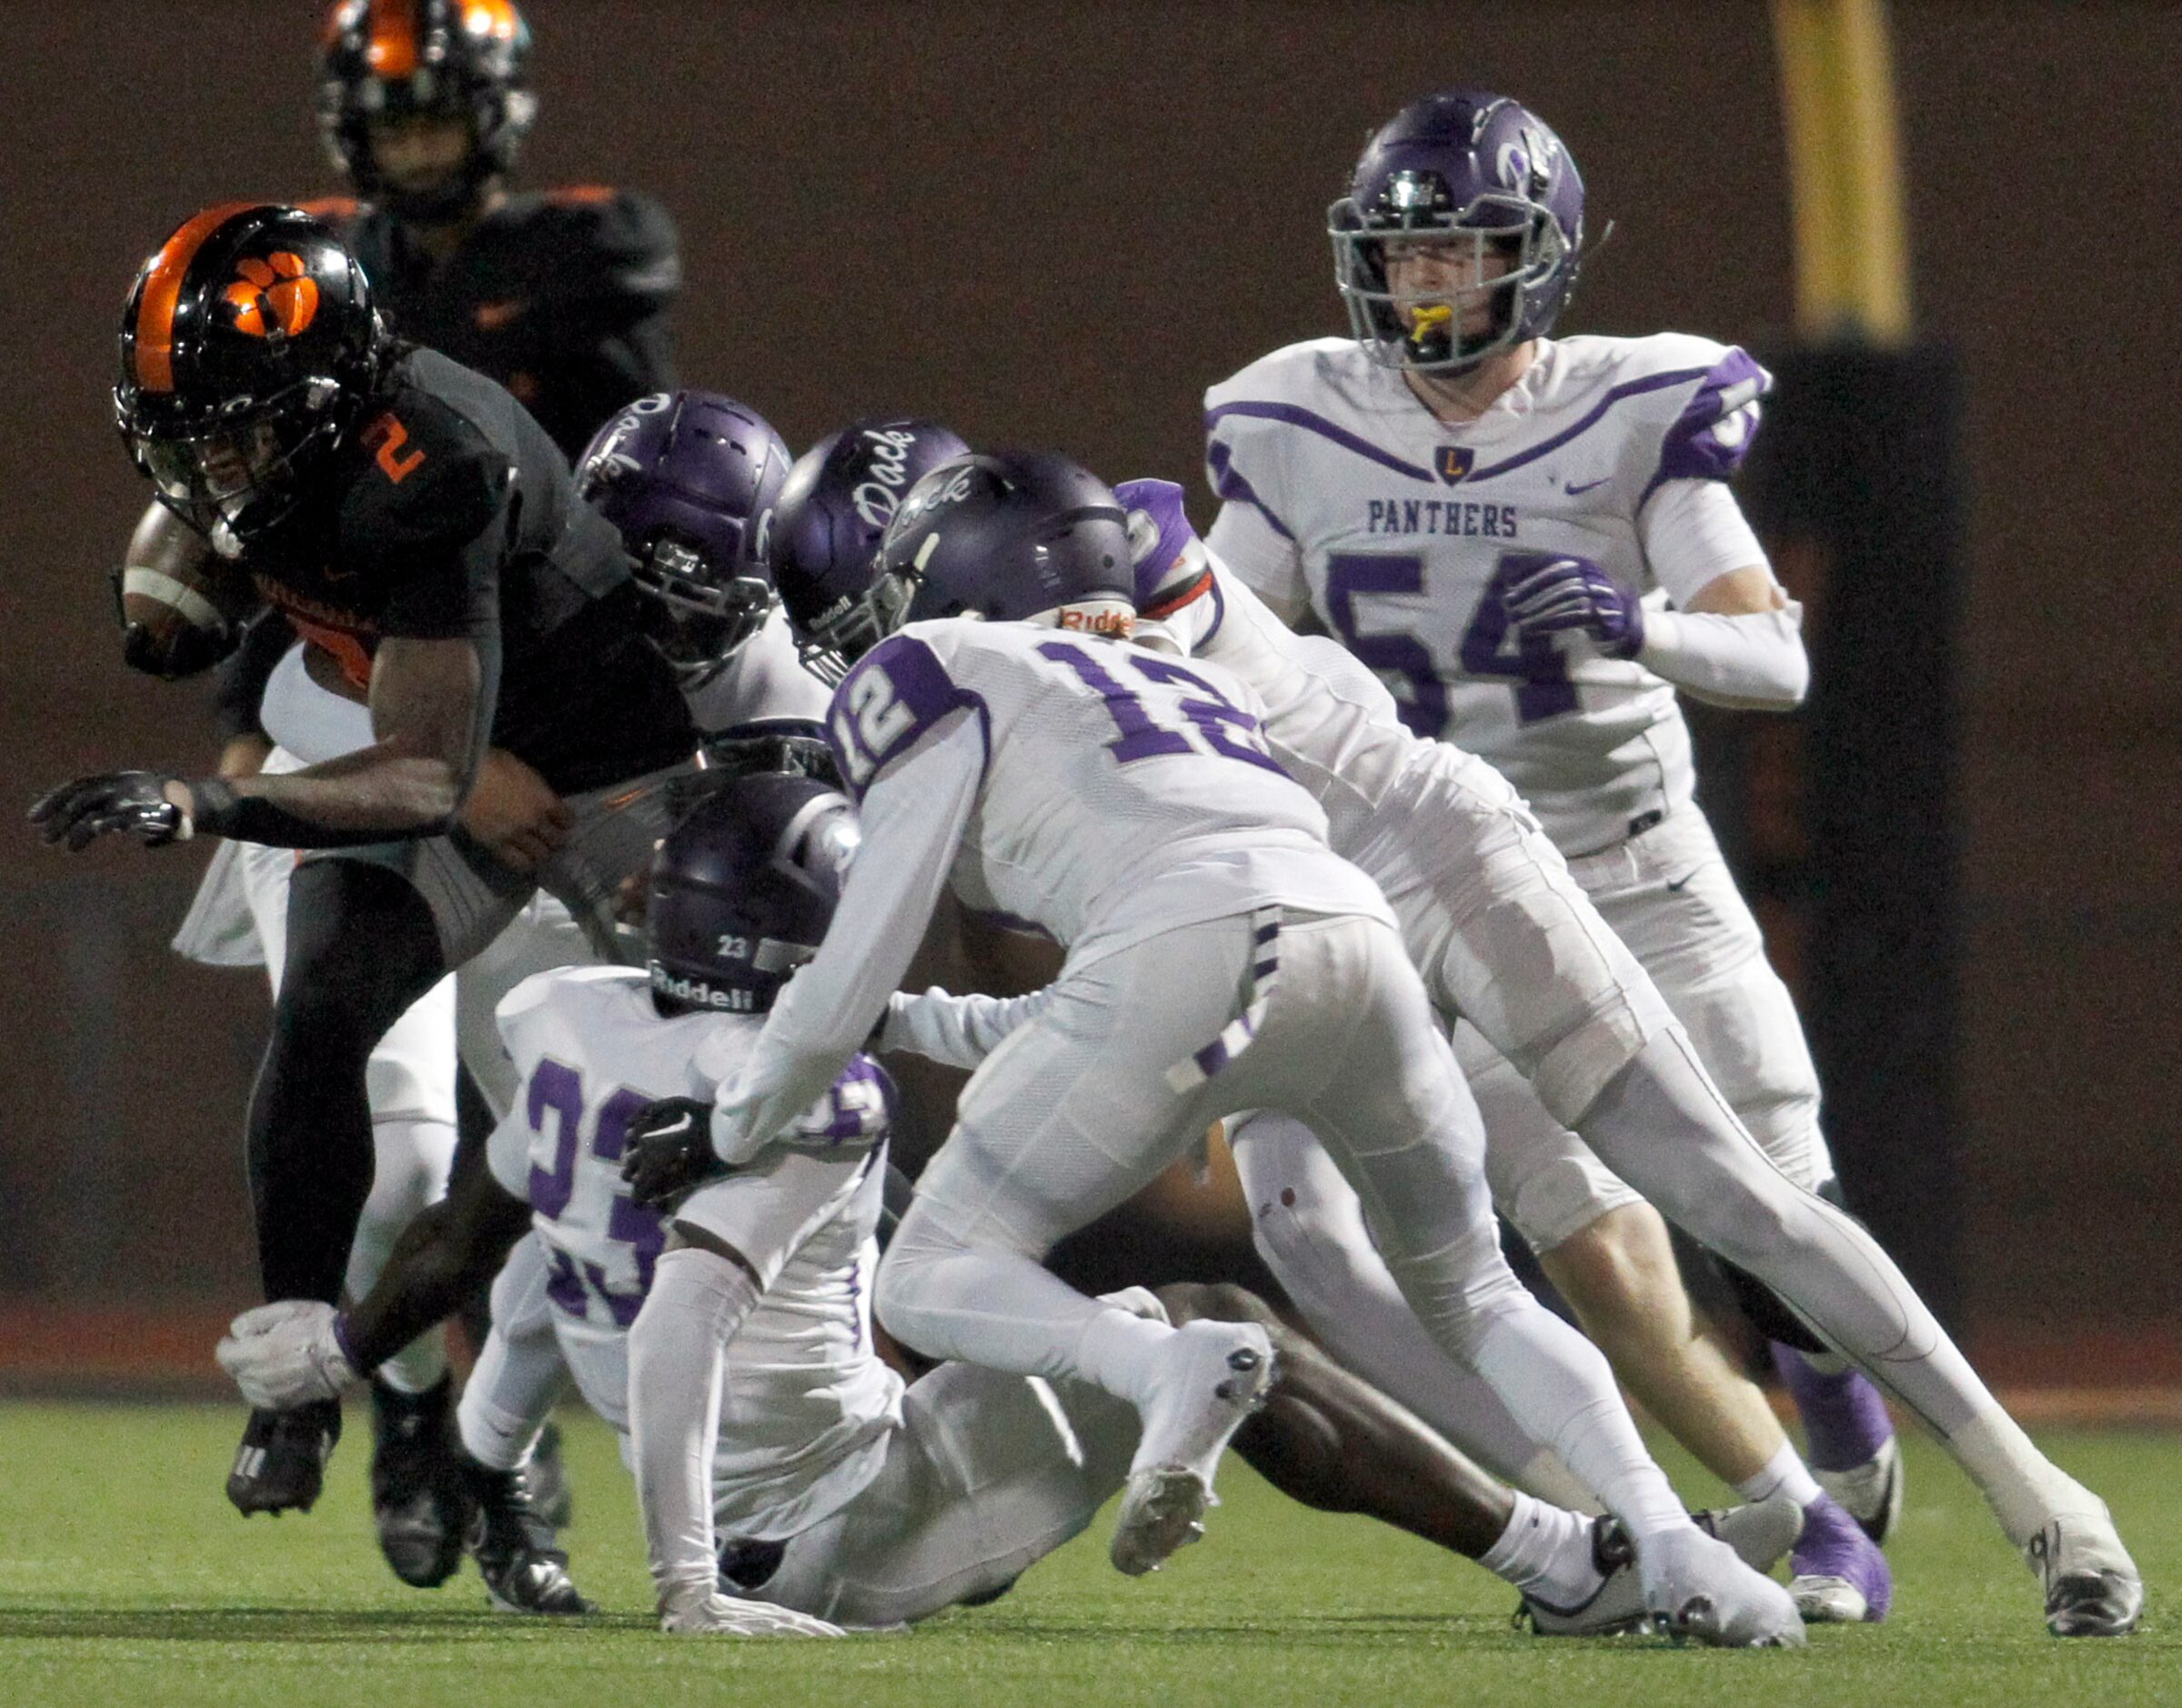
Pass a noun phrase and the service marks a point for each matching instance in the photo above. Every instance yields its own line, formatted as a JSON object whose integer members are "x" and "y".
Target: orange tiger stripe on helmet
{"x": 392, "y": 51}
{"x": 155, "y": 346}
{"x": 489, "y": 17}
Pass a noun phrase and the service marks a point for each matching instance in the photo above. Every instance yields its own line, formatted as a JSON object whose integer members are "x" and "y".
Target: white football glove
{"x": 286, "y": 1354}
{"x": 709, "y": 1613}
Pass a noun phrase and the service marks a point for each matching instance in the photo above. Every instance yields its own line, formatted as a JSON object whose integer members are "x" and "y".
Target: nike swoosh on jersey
{"x": 1586, "y": 487}
{"x": 1675, "y": 886}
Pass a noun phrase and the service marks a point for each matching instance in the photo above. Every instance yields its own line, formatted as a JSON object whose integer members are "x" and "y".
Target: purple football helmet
{"x": 1461, "y": 162}
{"x": 1012, "y": 537}
{"x": 689, "y": 477}
{"x": 827, "y": 523}
{"x": 743, "y": 889}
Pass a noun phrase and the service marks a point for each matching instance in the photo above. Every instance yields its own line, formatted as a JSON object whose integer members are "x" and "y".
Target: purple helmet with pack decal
{"x": 743, "y": 889}
{"x": 689, "y": 479}
{"x": 1461, "y": 163}
{"x": 1013, "y": 537}
{"x": 826, "y": 525}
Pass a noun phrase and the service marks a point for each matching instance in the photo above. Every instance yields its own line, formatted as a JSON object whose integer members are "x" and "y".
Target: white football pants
{"x": 985, "y": 1475}
{"x": 1081, "y": 1107}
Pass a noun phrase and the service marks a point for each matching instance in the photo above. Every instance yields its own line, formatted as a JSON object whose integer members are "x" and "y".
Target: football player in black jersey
{"x": 560, "y": 294}
{"x": 411, "y": 518}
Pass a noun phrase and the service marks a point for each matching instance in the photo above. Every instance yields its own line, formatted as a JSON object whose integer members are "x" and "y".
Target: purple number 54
{"x": 1536, "y": 669}
{"x": 1353, "y": 573}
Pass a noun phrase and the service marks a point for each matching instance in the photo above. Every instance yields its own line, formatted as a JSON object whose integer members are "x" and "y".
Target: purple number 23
{"x": 556, "y": 1092}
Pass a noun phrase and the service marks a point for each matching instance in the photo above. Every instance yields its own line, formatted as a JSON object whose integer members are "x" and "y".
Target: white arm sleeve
{"x": 1752, "y": 663}
{"x": 1260, "y": 557}
{"x": 676, "y": 1371}
{"x": 1693, "y": 532}
{"x": 959, "y": 1031}
{"x": 912, "y": 820}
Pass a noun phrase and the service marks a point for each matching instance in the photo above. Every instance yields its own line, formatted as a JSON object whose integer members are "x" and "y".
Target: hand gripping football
{"x": 181, "y": 607}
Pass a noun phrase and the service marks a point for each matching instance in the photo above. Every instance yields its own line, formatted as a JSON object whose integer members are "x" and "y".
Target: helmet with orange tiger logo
{"x": 388, "y": 62}
{"x": 249, "y": 344}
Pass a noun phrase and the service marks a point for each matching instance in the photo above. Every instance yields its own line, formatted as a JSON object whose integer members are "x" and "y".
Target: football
{"x": 182, "y": 608}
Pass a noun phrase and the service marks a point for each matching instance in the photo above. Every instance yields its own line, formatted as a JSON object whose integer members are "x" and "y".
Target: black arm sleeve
{"x": 221, "y": 811}
{"x": 445, "y": 1255}
{"x": 240, "y": 687}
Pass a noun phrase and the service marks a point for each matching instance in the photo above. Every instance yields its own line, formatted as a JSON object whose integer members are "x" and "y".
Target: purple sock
{"x": 1845, "y": 1421}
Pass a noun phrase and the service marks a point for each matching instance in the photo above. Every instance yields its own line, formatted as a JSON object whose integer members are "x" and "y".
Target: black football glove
{"x": 669, "y": 1151}
{"x": 113, "y": 803}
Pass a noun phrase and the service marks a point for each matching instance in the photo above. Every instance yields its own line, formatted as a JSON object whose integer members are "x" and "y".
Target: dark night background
{"x": 1055, "y": 224}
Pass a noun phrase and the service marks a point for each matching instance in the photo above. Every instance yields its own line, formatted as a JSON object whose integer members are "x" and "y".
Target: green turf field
{"x": 125, "y": 1579}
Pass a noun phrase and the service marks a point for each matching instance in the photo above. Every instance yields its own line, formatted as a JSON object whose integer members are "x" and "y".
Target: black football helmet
{"x": 392, "y": 59}
{"x": 743, "y": 889}
{"x": 248, "y": 346}
{"x": 1019, "y": 537}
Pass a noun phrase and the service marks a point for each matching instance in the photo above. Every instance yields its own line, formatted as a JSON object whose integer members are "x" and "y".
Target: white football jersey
{"x": 1121, "y": 793}
{"x": 1344, "y": 494}
{"x": 765, "y": 682}
{"x": 1329, "y": 722}
{"x": 809, "y": 1403}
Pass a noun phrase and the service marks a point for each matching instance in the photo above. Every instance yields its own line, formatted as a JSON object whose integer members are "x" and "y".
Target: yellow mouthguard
{"x": 1427, "y": 318}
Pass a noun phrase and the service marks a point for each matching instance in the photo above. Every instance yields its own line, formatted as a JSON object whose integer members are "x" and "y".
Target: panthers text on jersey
{"x": 810, "y": 1403}
{"x": 1404, "y": 534}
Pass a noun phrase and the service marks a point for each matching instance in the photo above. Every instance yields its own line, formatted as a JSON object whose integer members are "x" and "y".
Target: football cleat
{"x": 1837, "y": 1576}
{"x": 282, "y": 1460}
{"x": 1697, "y": 1590}
{"x": 700, "y": 1615}
{"x": 1759, "y": 1533}
{"x": 1871, "y": 1492}
{"x": 417, "y": 1503}
{"x": 524, "y": 1573}
{"x": 2092, "y": 1586}
{"x": 1220, "y": 1372}
{"x": 552, "y": 1498}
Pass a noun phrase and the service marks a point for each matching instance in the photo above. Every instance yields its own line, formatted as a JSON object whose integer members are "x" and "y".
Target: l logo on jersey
{"x": 1455, "y": 461}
